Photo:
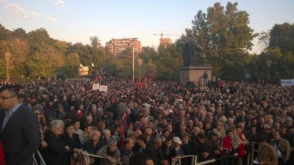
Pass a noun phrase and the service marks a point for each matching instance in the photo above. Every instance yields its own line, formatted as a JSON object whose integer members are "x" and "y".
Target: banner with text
{"x": 103, "y": 88}
{"x": 287, "y": 82}
{"x": 95, "y": 86}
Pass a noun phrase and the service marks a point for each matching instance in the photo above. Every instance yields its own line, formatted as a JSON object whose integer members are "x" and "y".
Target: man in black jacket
{"x": 126, "y": 151}
{"x": 152, "y": 149}
{"x": 19, "y": 131}
{"x": 202, "y": 148}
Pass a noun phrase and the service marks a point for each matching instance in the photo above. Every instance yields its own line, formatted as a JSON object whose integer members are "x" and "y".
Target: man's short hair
{"x": 127, "y": 140}
{"x": 143, "y": 138}
{"x": 140, "y": 159}
{"x": 10, "y": 88}
{"x": 18, "y": 87}
{"x": 261, "y": 138}
{"x": 169, "y": 138}
{"x": 86, "y": 125}
{"x": 160, "y": 125}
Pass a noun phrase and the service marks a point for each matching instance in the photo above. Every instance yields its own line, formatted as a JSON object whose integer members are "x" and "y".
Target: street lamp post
{"x": 140, "y": 68}
{"x": 268, "y": 63}
{"x": 7, "y": 56}
{"x": 133, "y": 58}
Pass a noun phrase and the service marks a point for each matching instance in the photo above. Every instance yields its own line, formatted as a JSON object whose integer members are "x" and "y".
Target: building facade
{"x": 118, "y": 45}
{"x": 165, "y": 41}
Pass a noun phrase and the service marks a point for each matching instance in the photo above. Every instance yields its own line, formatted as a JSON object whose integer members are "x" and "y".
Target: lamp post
{"x": 268, "y": 63}
{"x": 7, "y": 56}
{"x": 133, "y": 65}
{"x": 133, "y": 60}
{"x": 140, "y": 67}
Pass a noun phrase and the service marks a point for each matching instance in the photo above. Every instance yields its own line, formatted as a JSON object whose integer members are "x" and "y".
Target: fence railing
{"x": 39, "y": 159}
{"x": 194, "y": 158}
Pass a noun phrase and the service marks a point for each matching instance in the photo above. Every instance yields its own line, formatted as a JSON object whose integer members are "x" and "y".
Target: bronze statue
{"x": 193, "y": 54}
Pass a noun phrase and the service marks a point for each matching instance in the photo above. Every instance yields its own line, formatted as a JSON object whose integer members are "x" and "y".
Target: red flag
{"x": 123, "y": 129}
{"x": 96, "y": 79}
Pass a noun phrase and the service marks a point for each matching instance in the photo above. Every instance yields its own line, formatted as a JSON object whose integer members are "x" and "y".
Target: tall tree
{"x": 71, "y": 66}
{"x": 95, "y": 42}
{"x": 169, "y": 62}
{"x": 282, "y": 36}
{"x": 19, "y": 33}
{"x": 222, "y": 33}
{"x": 38, "y": 66}
{"x": 4, "y": 33}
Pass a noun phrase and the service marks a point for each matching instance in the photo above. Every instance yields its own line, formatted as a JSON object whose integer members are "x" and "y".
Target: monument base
{"x": 193, "y": 73}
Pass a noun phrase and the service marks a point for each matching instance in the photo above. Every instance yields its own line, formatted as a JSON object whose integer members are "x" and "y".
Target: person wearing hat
{"x": 177, "y": 151}
{"x": 39, "y": 111}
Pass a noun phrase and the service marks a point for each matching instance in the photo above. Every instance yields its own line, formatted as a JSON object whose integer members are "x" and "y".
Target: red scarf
{"x": 241, "y": 148}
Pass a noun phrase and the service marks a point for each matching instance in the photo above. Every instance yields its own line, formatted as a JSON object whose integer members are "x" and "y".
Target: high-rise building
{"x": 118, "y": 45}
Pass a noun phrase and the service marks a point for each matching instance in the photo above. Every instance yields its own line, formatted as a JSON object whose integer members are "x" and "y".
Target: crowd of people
{"x": 153, "y": 122}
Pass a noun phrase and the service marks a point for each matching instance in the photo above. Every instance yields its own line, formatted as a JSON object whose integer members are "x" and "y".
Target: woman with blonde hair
{"x": 219, "y": 130}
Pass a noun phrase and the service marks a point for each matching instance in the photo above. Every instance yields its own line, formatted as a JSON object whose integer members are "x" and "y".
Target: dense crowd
{"x": 162, "y": 119}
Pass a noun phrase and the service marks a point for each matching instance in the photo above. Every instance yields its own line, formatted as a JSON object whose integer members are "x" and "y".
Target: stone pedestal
{"x": 193, "y": 73}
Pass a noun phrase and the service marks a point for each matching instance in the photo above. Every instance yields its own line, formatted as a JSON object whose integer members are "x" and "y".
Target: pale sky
{"x": 76, "y": 21}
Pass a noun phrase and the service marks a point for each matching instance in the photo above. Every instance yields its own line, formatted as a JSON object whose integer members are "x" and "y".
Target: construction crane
{"x": 161, "y": 35}
{"x": 165, "y": 41}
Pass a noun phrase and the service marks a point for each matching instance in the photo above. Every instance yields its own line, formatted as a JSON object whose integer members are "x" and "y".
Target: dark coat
{"x": 168, "y": 153}
{"x": 188, "y": 150}
{"x": 199, "y": 148}
{"x": 155, "y": 153}
{"x": 125, "y": 155}
{"x": 70, "y": 115}
{"x": 72, "y": 143}
{"x": 89, "y": 146}
{"x": 20, "y": 137}
{"x": 55, "y": 152}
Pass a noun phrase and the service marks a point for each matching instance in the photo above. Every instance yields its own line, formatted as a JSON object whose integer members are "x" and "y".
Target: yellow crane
{"x": 165, "y": 41}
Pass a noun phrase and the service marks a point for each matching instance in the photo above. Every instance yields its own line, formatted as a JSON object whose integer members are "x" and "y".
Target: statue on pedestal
{"x": 193, "y": 54}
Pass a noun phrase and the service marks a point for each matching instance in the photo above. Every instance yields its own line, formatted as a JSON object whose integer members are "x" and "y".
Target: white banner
{"x": 95, "y": 86}
{"x": 103, "y": 88}
{"x": 287, "y": 82}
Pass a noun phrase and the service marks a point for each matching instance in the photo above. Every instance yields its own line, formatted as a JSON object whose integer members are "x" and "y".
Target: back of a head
{"x": 261, "y": 138}
{"x": 140, "y": 159}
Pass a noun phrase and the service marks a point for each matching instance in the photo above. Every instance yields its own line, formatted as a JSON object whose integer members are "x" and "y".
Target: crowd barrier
{"x": 38, "y": 159}
{"x": 194, "y": 158}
